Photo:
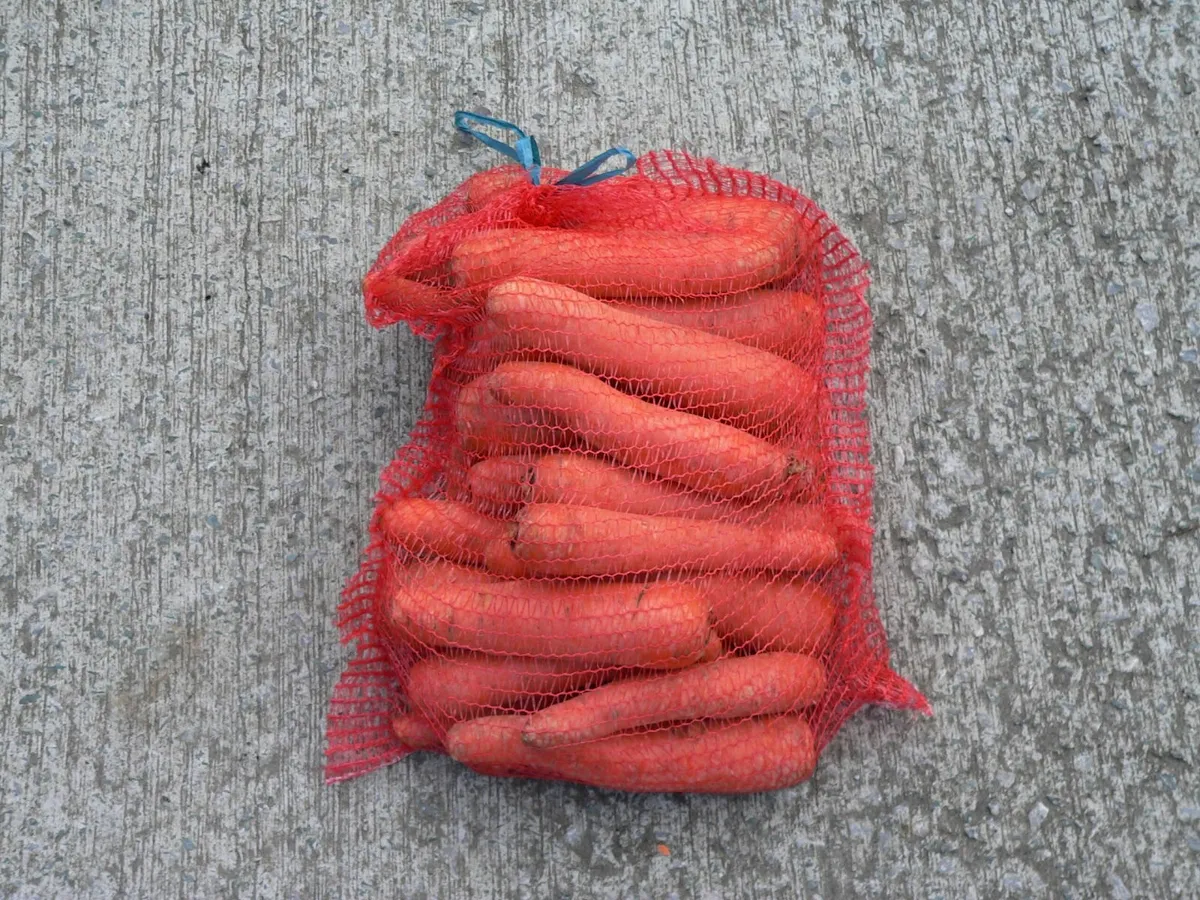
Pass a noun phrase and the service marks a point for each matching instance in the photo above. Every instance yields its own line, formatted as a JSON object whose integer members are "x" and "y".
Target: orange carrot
{"x": 404, "y": 278}
{"x": 656, "y": 207}
{"x": 414, "y": 300}
{"x": 422, "y": 256}
{"x": 502, "y": 484}
{"x": 499, "y": 484}
{"x": 788, "y": 323}
{"x": 713, "y": 650}
{"x": 796, "y": 517}
{"x": 639, "y": 203}
{"x": 453, "y": 688}
{"x": 733, "y": 688}
{"x": 415, "y": 733}
{"x": 558, "y": 540}
{"x": 483, "y": 187}
{"x": 507, "y": 482}
{"x": 589, "y": 481}
{"x": 682, "y": 367}
{"x": 487, "y": 425}
{"x": 448, "y": 689}
{"x": 622, "y": 263}
{"x": 697, "y": 452}
{"x": 742, "y": 758}
{"x": 757, "y": 614}
{"x": 595, "y": 625}
{"x": 442, "y": 527}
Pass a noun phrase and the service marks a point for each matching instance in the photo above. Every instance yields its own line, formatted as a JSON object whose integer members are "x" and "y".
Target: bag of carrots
{"x": 629, "y": 543}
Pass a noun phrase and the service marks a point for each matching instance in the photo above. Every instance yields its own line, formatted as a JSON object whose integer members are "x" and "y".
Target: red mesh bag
{"x": 629, "y": 542}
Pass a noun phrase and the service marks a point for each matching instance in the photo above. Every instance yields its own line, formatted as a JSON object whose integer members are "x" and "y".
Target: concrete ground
{"x": 193, "y": 415}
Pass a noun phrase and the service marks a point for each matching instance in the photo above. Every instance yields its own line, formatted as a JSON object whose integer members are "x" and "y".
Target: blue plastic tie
{"x": 525, "y": 151}
{"x": 583, "y": 176}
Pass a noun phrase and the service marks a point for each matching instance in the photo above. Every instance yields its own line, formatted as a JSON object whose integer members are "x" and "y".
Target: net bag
{"x": 629, "y": 541}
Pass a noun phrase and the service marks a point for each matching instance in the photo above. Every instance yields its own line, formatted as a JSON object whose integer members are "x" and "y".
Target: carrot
{"x": 448, "y": 689}
{"x": 589, "y": 481}
{"x": 699, "y": 453}
{"x": 644, "y": 205}
{"x": 788, "y": 323}
{"x": 486, "y": 425}
{"x": 693, "y": 370}
{"x": 414, "y": 300}
{"x": 713, "y": 650}
{"x": 414, "y": 733}
{"x": 442, "y": 527}
{"x": 453, "y": 688}
{"x": 756, "y": 614}
{"x": 558, "y": 540}
{"x": 742, "y": 758}
{"x": 507, "y": 482}
{"x": 622, "y": 624}
{"x": 622, "y": 263}
{"x": 423, "y": 256}
{"x": 637, "y": 202}
{"x": 483, "y": 187}
{"x": 734, "y": 688}
{"x": 500, "y": 483}
{"x": 407, "y": 283}
{"x": 797, "y": 517}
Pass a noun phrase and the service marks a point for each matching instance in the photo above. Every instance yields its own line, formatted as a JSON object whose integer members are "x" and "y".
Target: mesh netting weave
{"x": 629, "y": 542}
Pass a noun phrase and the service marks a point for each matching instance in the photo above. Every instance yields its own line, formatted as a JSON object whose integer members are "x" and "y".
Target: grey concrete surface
{"x": 193, "y": 415}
